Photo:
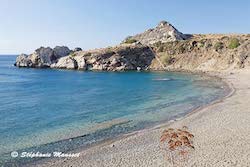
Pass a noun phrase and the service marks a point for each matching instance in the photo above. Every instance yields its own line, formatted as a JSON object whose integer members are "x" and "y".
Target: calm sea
{"x": 59, "y": 110}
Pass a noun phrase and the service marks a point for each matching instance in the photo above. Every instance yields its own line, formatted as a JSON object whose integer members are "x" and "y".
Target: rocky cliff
{"x": 118, "y": 58}
{"x": 161, "y": 48}
{"x": 42, "y": 57}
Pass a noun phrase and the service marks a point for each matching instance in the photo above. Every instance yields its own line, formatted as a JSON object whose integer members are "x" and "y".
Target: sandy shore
{"x": 221, "y": 136}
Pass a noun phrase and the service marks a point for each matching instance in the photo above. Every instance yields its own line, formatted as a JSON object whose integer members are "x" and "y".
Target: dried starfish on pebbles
{"x": 178, "y": 142}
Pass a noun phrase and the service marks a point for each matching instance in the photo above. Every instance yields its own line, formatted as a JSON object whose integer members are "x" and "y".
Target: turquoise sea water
{"x": 59, "y": 110}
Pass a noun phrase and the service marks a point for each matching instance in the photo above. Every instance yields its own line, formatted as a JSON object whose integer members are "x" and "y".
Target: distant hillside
{"x": 210, "y": 52}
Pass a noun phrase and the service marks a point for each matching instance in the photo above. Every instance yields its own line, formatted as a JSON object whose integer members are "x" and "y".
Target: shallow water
{"x": 41, "y": 108}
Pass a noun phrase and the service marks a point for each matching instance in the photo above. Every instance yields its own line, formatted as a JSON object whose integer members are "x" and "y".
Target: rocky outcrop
{"x": 42, "y": 57}
{"x": 77, "y": 49}
{"x": 23, "y": 61}
{"x": 118, "y": 58}
{"x": 61, "y": 51}
{"x": 163, "y": 32}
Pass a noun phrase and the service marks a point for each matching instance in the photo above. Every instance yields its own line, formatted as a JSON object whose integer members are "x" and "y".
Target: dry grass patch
{"x": 166, "y": 59}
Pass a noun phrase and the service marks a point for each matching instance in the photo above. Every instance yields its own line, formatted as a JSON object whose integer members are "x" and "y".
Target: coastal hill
{"x": 210, "y": 52}
{"x": 160, "y": 48}
{"x": 163, "y": 32}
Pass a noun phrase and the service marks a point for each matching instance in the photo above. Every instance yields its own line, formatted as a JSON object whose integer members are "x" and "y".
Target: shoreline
{"x": 107, "y": 142}
{"x": 231, "y": 92}
{"x": 121, "y": 136}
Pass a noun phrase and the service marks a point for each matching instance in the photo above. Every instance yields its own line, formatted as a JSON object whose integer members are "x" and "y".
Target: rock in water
{"x": 23, "y": 61}
{"x": 42, "y": 57}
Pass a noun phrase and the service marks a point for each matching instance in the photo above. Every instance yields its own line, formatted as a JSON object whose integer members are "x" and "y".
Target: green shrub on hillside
{"x": 218, "y": 46}
{"x": 72, "y": 54}
{"x": 130, "y": 40}
{"x": 201, "y": 44}
{"x": 234, "y": 43}
{"x": 208, "y": 45}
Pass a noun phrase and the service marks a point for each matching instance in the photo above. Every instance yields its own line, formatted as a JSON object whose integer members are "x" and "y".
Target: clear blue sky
{"x": 28, "y": 24}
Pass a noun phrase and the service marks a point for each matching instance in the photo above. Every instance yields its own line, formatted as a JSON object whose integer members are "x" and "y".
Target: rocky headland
{"x": 118, "y": 58}
{"x": 160, "y": 48}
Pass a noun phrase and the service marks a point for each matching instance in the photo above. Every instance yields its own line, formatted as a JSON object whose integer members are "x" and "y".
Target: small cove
{"x": 41, "y": 109}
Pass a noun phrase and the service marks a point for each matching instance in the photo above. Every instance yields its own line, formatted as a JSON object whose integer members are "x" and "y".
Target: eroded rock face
{"x": 127, "y": 57}
{"x": 42, "y": 57}
{"x": 23, "y": 61}
{"x": 66, "y": 62}
{"x": 61, "y": 51}
{"x": 81, "y": 62}
{"x": 119, "y": 58}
